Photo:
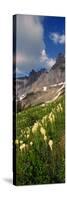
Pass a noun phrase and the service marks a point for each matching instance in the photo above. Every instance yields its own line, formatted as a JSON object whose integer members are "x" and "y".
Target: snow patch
{"x": 44, "y": 88}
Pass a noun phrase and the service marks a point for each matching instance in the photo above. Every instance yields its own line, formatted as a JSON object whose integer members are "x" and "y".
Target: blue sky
{"x": 39, "y": 40}
{"x": 56, "y": 25}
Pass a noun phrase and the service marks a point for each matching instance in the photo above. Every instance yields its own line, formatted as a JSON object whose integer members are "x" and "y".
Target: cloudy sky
{"x": 38, "y": 42}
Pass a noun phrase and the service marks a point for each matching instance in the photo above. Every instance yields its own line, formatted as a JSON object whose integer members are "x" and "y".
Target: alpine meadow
{"x": 40, "y": 100}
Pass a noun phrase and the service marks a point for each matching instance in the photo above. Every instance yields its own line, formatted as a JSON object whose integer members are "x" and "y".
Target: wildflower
{"x": 51, "y": 117}
{"x": 50, "y": 143}
{"x": 44, "y": 119}
{"x": 28, "y": 130}
{"x": 21, "y": 131}
{"x": 45, "y": 138}
{"x": 24, "y": 132}
{"x": 16, "y": 141}
{"x": 31, "y": 143}
{"x": 59, "y": 108}
{"x": 21, "y": 142}
{"x": 42, "y": 105}
{"x": 59, "y": 104}
{"x": 43, "y": 131}
{"x": 39, "y": 124}
{"x": 22, "y": 147}
{"x": 27, "y": 135}
{"x": 35, "y": 127}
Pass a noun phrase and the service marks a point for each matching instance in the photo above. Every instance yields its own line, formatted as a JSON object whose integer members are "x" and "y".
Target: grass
{"x": 40, "y": 152}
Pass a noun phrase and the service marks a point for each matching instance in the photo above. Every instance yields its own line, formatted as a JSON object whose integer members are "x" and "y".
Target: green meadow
{"x": 40, "y": 144}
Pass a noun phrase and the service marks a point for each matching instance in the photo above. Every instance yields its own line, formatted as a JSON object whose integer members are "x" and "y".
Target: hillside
{"x": 40, "y": 87}
{"x": 40, "y": 144}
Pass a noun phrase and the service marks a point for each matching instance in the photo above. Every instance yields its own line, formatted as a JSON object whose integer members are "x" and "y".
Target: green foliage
{"x": 37, "y": 163}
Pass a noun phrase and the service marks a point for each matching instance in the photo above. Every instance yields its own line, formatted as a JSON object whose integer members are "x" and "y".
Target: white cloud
{"x": 30, "y": 46}
{"x": 57, "y": 38}
{"x": 29, "y": 43}
{"x": 46, "y": 61}
{"x": 43, "y": 56}
{"x": 62, "y": 39}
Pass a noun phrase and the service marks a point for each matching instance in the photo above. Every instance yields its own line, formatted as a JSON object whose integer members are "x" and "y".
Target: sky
{"x": 39, "y": 40}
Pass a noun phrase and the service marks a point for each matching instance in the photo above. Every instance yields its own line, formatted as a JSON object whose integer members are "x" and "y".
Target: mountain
{"x": 32, "y": 89}
{"x": 24, "y": 84}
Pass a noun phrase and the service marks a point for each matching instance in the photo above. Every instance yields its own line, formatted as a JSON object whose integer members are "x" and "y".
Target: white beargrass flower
{"x": 45, "y": 138}
{"x": 59, "y": 108}
{"x": 43, "y": 131}
{"x": 42, "y": 105}
{"x": 21, "y": 130}
{"x": 16, "y": 141}
{"x": 31, "y": 143}
{"x": 27, "y": 135}
{"x": 22, "y": 146}
{"x": 44, "y": 120}
{"x": 59, "y": 105}
{"x": 21, "y": 142}
{"x": 28, "y": 130}
{"x": 51, "y": 117}
{"x": 35, "y": 127}
{"x": 50, "y": 143}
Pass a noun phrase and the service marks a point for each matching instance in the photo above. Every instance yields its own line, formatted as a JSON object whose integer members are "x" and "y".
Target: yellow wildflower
{"x": 27, "y": 135}
{"x": 28, "y": 130}
{"x": 43, "y": 131}
{"x": 21, "y": 130}
{"x": 44, "y": 119}
{"x": 22, "y": 147}
{"x": 45, "y": 138}
{"x": 51, "y": 117}
{"x": 42, "y": 105}
{"x": 21, "y": 142}
{"x": 31, "y": 143}
{"x": 59, "y": 108}
{"x": 50, "y": 143}
{"x": 35, "y": 127}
